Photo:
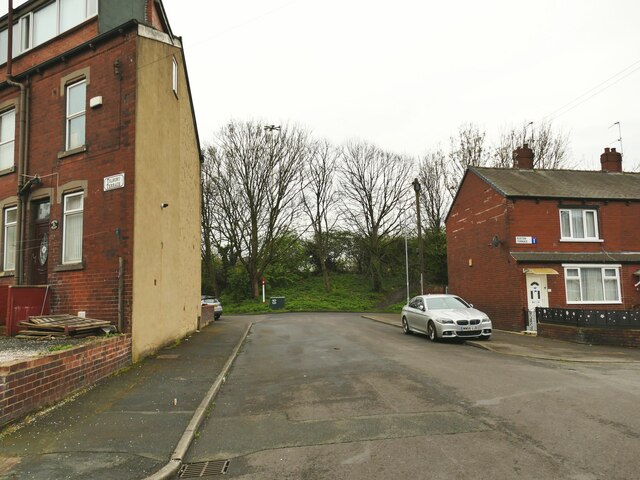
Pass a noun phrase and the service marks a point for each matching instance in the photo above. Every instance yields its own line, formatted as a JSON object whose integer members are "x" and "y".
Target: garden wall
{"x": 27, "y": 385}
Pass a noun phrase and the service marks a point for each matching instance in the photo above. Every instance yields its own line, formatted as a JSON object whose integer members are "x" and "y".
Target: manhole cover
{"x": 204, "y": 469}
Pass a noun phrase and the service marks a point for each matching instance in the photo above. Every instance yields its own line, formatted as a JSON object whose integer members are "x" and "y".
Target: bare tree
{"x": 550, "y": 147}
{"x": 208, "y": 226}
{"x": 319, "y": 200}
{"x": 434, "y": 194}
{"x": 467, "y": 148}
{"x": 376, "y": 188}
{"x": 256, "y": 178}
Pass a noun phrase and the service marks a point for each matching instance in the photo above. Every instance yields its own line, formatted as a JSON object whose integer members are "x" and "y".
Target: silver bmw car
{"x": 445, "y": 316}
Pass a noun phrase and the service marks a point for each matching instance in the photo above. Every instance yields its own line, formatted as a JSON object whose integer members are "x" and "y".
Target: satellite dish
{"x": 495, "y": 241}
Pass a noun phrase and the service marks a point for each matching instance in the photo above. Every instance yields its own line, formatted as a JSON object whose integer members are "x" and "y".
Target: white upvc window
{"x": 9, "y": 251}
{"x": 40, "y": 25}
{"x": 72, "y": 237}
{"x": 592, "y": 283}
{"x": 76, "y": 114}
{"x": 174, "y": 75}
{"x": 579, "y": 224}
{"x": 7, "y": 138}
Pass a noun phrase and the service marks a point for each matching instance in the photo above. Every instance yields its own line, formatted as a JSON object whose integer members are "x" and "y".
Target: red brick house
{"x": 100, "y": 165}
{"x": 522, "y": 238}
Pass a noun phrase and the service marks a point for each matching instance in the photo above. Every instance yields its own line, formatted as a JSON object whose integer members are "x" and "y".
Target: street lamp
{"x": 416, "y": 187}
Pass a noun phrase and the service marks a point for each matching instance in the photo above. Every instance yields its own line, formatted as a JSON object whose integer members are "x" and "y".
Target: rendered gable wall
{"x": 166, "y": 270}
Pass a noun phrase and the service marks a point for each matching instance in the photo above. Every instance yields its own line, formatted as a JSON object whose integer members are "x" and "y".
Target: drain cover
{"x": 204, "y": 469}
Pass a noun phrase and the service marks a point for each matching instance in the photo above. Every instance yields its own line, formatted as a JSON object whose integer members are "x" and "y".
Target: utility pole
{"x": 416, "y": 187}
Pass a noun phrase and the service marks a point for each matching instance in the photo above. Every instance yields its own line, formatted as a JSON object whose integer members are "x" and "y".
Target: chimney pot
{"x": 606, "y": 150}
{"x": 613, "y": 150}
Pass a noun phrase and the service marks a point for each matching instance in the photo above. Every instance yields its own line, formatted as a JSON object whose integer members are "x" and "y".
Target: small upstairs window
{"x": 578, "y": 224}
{"x": 174, "y": 75}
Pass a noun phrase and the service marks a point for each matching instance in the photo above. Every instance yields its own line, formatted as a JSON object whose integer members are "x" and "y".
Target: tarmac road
{"x": 335, "y": 396}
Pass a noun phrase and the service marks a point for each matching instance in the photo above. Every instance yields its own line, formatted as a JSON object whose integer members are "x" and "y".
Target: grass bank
{"x": 349, "y": 293}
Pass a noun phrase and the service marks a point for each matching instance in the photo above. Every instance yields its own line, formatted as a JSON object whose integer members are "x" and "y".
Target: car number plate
{"x": 469, "y": 327}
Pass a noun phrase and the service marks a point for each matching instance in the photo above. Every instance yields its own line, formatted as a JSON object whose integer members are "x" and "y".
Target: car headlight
{"x": 444, "y": 321}
{"x": 486, "y": 320}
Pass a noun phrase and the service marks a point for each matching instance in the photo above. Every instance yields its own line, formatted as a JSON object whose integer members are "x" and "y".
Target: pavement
{"x": 525, "y": 345}
{"x": 140, "y": 422}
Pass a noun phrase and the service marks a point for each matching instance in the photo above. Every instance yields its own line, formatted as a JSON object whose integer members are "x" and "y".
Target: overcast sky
{"x": 405, "y": 74}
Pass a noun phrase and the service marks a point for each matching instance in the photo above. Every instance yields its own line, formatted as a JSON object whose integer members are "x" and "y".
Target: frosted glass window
{"x": 45, "y": 24}
{"x": 72, "y": 12}
{"x": 72, "y": 238}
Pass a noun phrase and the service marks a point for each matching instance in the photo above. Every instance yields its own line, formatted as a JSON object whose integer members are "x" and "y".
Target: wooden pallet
{"x": 61, "y": 325}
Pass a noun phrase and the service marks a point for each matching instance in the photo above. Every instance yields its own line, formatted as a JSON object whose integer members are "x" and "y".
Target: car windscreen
{"x": 445, "y": 303}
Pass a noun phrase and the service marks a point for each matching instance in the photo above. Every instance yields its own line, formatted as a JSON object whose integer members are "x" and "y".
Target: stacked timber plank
{"x": 63, "y": 326}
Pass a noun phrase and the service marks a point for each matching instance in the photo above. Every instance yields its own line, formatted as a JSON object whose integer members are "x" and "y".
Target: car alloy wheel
{"x": 405, "y": 327}
{"x": 431, "y": 331}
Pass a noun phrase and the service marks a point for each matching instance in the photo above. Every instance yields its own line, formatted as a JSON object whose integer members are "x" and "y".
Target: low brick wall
{"x": 41, "y": 381}
{"x": 207, "y": 315}
{"x": 619, "y": 337}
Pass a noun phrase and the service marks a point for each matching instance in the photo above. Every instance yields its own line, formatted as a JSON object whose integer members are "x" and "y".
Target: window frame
{"x": 602, "y": 267}
{"x": 584, "y": 211}
{"x": 174, "y": 75}
{"x": 5, "y": 244}
{"x": 27, "y": 43}
{"x": 11, "y": 110}
{"x": 70, "y": 117}
{"x": 65, "y": 215}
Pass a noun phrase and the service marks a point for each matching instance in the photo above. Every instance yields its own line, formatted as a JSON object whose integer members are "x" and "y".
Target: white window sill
{"x": 582, "y": 240}
{"x": 595, "y": 303}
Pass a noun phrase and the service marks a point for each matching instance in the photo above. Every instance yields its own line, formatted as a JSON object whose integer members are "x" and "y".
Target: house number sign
{"x": 113, "y": 182}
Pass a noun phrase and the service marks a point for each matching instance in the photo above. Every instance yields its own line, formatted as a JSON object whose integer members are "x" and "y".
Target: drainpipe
{"x": 120, "y": 295}
{"x": 22, "y": 154}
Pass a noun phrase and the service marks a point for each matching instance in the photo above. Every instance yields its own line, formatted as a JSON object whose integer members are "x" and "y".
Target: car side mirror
{"x": 422, "y": 308}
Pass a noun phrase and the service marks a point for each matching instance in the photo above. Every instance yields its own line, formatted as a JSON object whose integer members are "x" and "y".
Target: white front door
{"x": 537, "y": 296}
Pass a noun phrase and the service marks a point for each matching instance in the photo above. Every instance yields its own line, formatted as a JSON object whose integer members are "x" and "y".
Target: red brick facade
{"x": 482, "y": 226}
{"x": 109, "y": 68}
{"x": 31, "y": 384}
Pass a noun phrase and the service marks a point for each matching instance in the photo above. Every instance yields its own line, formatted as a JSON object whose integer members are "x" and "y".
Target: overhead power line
{"x": 589, "y": 94}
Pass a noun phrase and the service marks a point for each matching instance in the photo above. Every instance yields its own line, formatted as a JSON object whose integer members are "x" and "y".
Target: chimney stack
{"x": 523, "y": 157}
{"x": 611, "y": 161}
